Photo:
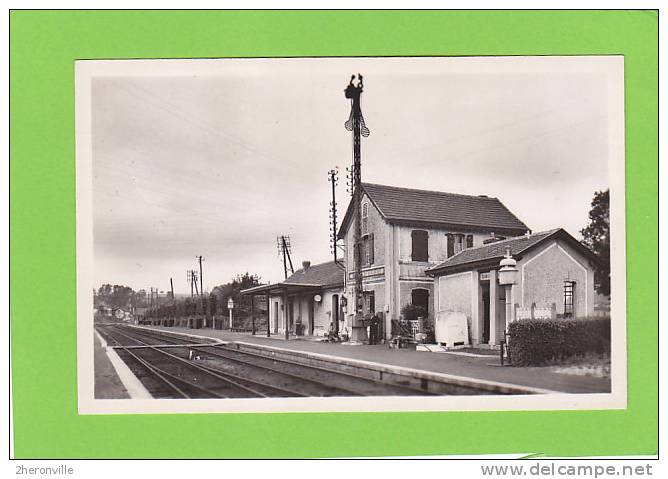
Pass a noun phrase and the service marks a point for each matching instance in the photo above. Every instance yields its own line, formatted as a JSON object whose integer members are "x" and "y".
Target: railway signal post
{"x": 356, "y": 125}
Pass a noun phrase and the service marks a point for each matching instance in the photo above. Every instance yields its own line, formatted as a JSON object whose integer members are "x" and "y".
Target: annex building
{"x": 406, "y": 232}
{"x": 555, "y": 279}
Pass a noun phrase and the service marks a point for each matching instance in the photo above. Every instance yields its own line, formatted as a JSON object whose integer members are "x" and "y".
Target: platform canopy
{"x": 281, "y": 288}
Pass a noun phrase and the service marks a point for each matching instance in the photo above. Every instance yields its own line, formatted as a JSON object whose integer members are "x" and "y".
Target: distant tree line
{"x": 119, "y": 296}
{"x": 215, "y": 303}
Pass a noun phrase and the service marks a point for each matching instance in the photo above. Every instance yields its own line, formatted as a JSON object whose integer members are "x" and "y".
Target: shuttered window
{"x": 370, "y": 249}
{"x": 459, "y": 243}
{"x": 420, "y": 250}
{"x": 365, "y": 218}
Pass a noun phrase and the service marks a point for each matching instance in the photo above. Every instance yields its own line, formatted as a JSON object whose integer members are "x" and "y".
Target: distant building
{"x": 406, "y": 231}
{"x": 555, "y": 279}
{"x": 307, "y": 302}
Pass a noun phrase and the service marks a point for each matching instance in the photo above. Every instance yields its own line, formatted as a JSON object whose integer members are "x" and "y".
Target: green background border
{"x": 44, "y": 45}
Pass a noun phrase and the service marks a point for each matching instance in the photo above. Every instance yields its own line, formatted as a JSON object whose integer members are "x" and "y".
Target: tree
{"x": 233, "y": 290}
{"x": 116, "y": 296}
{"x": 596, "y": 237}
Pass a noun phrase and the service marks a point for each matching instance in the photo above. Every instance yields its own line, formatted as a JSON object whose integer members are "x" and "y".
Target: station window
{"x": 420, "y": 249}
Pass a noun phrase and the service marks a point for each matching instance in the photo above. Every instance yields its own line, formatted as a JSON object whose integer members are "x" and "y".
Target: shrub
{"x": 411, "y": 311}
{"x": 534, "y": 342}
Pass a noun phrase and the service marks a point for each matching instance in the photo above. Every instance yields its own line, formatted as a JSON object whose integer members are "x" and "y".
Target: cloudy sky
{"x": 218, "y": 157}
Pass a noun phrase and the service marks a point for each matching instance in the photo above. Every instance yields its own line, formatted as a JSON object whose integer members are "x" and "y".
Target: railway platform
{"x": 107, "y": 383}
{"x": 476, "y": 366}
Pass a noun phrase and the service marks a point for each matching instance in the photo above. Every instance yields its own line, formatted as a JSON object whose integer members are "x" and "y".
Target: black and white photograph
{"x": 350, "y": 234}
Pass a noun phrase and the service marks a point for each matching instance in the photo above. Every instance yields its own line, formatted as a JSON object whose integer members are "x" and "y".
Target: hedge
{"x": 534, "y": 342}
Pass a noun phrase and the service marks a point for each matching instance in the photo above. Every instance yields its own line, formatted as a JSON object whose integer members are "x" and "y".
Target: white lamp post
{"x": 230, "y": 306}
{"x": 508, "y": 277}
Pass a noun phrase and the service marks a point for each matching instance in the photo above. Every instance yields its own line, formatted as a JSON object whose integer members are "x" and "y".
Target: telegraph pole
{"x": 332, "y": 176}
{"x": 285, "y": 265}
{"x": 171, "y": 286}
{"x": 283, "y": 243}
{"x": 201, "y": 289}
{"x": 191, "y": 274}
{"x": 201, "y": 278}
{"x": 356, "y": 124}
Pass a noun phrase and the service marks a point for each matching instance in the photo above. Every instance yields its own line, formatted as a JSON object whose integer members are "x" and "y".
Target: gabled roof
{"x": 323, "y": 274}
{"x": 491, "y": 254}
{"x": 438, "y": 208}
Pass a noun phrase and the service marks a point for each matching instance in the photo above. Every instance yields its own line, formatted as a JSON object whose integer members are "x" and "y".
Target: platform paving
{"x": 483, "y": 366}
{"x": 107, "y": 383}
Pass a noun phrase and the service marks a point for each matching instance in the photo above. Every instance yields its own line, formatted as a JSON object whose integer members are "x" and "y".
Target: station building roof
{"x": 313, "y": 277}
{"x": 490, "y": 254}
{"x": 438, "y": 208}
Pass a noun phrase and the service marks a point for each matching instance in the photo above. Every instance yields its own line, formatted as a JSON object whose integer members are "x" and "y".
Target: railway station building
{"x": 555, "y": 278}
{"x": 307, "y": 302}
{"x": 407, "y": 231}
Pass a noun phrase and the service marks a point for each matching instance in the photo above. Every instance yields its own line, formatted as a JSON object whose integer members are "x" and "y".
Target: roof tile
{"x": 323, "y": 274}
{"x": 495, "y": 250}
{"x": 437, "y": 207}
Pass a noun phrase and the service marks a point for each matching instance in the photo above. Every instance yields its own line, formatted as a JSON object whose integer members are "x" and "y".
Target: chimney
{"x": 306, "y": 265}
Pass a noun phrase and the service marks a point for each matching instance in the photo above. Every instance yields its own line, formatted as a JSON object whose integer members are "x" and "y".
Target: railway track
{"x": 174, "y": 367}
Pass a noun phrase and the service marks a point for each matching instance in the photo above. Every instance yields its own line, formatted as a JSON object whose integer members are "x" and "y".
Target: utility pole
{"x": 191, "y": 274}
{"x": 201, "y": 278}
{"x": 356, "y": 124}
{"x": 171, "y": 286}
{"x": 201, "y": 290}
{"x": 283, "y": 244}
{"x": 332, "y": 176}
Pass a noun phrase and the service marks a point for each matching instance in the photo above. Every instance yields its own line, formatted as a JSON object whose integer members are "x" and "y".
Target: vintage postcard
{"x": 351, "y": 234}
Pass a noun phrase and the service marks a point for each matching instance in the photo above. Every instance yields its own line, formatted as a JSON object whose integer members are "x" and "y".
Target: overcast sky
{"x": 219, "y": 157}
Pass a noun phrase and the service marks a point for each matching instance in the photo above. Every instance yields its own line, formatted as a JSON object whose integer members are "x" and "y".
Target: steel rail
{"x": 226, "y": 347}
{"x": 204, "y": 369}
{"x": 316, "y": 382}
{"x": 280, "y": 389}
{"x": 330, "y": 371}
{"x": 279, "y": 371}
{"x": 156, "y": 371}
{"x": 173, "y": 376}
